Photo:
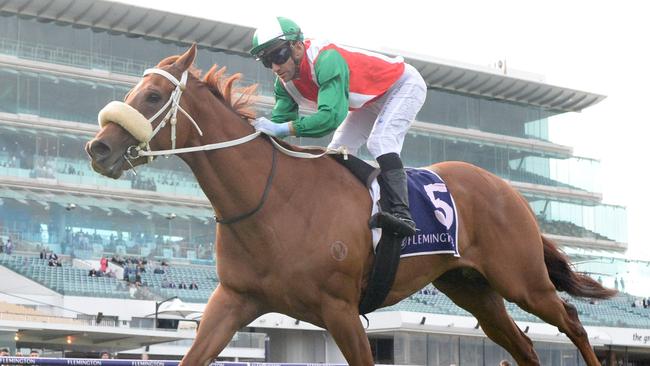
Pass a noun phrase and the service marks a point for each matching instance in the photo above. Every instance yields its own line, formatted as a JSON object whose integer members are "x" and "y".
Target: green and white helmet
{"x": 278, "y": 30}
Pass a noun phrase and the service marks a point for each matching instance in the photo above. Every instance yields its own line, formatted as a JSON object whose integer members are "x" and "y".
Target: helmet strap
{"x": 296, "y": 61}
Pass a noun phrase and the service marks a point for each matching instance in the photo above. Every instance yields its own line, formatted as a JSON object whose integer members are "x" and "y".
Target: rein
{"x": 265, "y": 194}
{"x": 173, "y": 103}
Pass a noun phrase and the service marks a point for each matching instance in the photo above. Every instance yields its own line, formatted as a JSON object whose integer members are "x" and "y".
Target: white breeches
{"x": 384, "y": 122}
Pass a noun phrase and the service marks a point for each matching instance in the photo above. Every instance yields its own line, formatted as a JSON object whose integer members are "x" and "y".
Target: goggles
{"x": 278, "y": 56}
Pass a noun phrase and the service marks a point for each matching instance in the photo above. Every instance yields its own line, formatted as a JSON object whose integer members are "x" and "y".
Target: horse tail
{"x": 565, "y": 279}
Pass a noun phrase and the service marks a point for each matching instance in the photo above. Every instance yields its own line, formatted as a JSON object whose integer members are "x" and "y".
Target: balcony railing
{"x": 71, "y": 57}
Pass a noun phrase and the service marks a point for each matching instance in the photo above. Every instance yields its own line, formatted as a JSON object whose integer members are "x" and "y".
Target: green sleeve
{"x": 285, "y": 109}
{"x": 333, "y": 78}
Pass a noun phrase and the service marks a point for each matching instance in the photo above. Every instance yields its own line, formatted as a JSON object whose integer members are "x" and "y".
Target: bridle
{"x": 173, "y": 103}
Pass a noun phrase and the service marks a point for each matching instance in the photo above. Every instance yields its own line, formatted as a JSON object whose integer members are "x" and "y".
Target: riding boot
{"x": 395, "y": 191}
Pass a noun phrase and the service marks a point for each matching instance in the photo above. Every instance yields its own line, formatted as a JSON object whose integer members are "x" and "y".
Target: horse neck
{"x": 232, "y": 178}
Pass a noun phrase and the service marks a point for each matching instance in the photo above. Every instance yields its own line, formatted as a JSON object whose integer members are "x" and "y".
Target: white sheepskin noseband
{"x": 128, "y": 117}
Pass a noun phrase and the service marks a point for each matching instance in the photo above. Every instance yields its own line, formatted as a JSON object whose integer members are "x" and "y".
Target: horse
{"x": 294, "y": 238}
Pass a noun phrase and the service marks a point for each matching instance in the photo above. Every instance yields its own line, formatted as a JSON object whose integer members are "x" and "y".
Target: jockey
{"x": 382, "y": 94}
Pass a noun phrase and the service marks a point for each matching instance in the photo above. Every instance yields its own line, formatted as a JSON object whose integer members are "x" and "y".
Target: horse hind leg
{"x": 531, "y": 288}
{"x": 547, "y": 305}
{"x": 476, "y": 296}
{"x": 534, "y": 291}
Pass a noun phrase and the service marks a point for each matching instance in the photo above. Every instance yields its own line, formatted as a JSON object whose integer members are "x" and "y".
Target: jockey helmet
{"x": 279, "y": 30}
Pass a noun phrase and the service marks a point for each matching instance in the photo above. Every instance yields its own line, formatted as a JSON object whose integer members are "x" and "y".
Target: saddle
{"x": 387, "y": 254}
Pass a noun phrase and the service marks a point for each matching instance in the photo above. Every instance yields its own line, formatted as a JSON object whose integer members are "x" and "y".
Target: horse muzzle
{"x": 103, "y": 159}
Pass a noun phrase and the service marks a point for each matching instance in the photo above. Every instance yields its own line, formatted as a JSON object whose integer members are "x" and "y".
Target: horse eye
{"x": 153, "y": 98}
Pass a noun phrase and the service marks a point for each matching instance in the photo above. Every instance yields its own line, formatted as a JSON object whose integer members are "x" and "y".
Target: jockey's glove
{"x": 268, "y": 127}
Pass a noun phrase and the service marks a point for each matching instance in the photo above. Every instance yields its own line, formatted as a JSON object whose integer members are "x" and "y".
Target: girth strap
{"x": 383, "y": 273}
{"x": 387, "y": 255}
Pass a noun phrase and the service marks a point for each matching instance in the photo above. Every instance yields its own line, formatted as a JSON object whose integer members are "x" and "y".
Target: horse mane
{"x": 240, "y": 99}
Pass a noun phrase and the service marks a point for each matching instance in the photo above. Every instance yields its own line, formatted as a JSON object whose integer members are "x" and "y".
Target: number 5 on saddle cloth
{"x": 434, "y": 212}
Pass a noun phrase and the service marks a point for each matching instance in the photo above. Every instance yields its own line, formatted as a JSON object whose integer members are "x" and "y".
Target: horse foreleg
{"x": 342, "y": 321}
{"x": 225, "y": 313}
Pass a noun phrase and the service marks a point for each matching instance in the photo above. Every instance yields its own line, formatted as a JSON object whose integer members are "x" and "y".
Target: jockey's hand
{"x": 268, "y": 127}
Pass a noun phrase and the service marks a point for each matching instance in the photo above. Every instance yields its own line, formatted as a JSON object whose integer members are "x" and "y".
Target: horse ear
{"x": 187, "y": 59}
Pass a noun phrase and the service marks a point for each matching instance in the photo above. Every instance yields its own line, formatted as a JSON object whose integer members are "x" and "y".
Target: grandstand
{"x": 91, "y": 52}
{"x": 68, "y": 280}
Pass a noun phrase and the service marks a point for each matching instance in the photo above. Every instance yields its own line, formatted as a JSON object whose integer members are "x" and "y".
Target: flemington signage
{"x": 17, "y": 361}
{"x": 81, "y": 362}
{"x": 97, "y": 362}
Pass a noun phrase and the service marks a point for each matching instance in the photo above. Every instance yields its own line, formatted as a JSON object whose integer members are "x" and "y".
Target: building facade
{"x": 62, "y": 61}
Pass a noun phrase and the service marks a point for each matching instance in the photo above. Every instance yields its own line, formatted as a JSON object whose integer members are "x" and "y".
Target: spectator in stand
{"x": 18, "y": 353}
{"x": 132, "y": 290}
{"x": 53, "y": 260}
{"x": 33, "y": 353}
{"x": 4, "y": 352}
{"x": 2, "y": 245}
{"x": 9, "y": 246}
{"x": 92, "y": 272}
{"x": 159, "y": 270}
{"x": 103, "y": 264}
{"x": 118, "y": 260}
{"x": 43, "y": 254}
{"x": 127, "y": 271}
{"x": 105, "y": 355}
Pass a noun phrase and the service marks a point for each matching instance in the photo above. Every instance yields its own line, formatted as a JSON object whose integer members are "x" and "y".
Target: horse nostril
{"x": 99, "y": 149}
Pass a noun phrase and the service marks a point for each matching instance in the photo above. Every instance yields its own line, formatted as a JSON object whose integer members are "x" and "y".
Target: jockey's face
{"x": 290, "y": 69}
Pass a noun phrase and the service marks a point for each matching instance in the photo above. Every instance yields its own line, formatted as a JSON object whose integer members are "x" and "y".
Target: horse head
{"x": 140, "y": 122}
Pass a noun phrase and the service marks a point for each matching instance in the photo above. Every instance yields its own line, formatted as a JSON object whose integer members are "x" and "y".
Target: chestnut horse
{"x": 298, "y": 241}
